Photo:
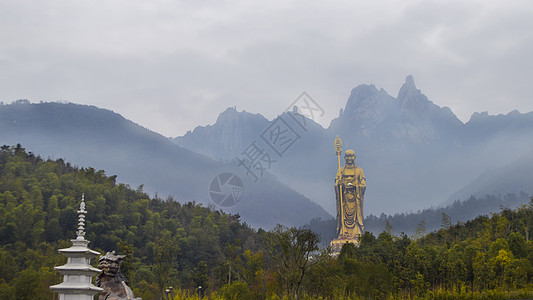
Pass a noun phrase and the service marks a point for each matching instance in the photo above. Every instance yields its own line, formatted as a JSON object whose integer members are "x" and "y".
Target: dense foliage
{"x": 486, "y": 257}
{"x": 167, "y": 243}
{"x": 188, "y": 246}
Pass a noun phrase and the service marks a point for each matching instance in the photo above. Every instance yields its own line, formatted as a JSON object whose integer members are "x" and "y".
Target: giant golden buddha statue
{"x": 350, "y": 186}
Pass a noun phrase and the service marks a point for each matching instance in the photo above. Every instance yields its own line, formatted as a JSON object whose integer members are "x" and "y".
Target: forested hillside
{"x": 481, "y": 259}
{"x": 166, "y": 242}
{"x": 187, "y": 246}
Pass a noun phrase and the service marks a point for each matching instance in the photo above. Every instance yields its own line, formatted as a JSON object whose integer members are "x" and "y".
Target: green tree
{"x": 483, "y": 273}
{"x": 517, "y": 245}
{"x": 515, "y": 274}
{"x": 200, "y": 277}
{"x": 27, "y": 286}
{"x": 324, "y": 278}
{"x": 290, "y": 251}
{"x": 126, "y": 267}
{"x": 446, "y": 221}
{"x": 420, "y": 230}
{"x": 388, "y": 227}
{"x": 166, "y": 250}
{"x": 236, "y": 290}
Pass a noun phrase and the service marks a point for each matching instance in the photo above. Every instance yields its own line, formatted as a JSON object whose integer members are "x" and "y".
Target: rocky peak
{"x": 359, "y": 96}
{"x": 230, "y": 113}
{"x": 514, "y": 113}
{"x": 411, "y": 99}
{"x": 479, "y": 116}
{"x": 407, "y": 88}
{"x": 367, "y": 102}
{"x": 232, "y": 130}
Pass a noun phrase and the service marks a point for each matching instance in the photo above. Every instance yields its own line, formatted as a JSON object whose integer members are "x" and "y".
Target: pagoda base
{"x": 336, "y": 244}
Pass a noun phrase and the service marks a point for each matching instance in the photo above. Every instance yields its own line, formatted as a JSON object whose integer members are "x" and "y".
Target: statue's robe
{"x": 351, "y": 181}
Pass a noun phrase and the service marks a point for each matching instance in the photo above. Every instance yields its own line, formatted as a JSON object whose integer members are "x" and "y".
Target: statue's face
{"x": 349, "y": 157}
{"x": 108, "y": 267}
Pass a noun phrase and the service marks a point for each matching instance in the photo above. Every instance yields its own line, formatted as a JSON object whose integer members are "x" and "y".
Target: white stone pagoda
{"x": 78, "y": 272}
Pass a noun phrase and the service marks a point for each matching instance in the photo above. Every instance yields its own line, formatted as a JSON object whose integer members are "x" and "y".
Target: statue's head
{"x": 110, "y": 263}
{"x": 111, "y": 277}
{"x": 349, "y": 157}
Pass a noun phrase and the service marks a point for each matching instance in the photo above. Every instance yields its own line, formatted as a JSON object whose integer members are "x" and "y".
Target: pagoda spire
{"x": 81, "y": 219}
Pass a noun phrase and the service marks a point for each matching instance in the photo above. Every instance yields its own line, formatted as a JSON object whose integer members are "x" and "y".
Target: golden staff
{"x": 338, "y": 149}
{"x": 338, "y": 152}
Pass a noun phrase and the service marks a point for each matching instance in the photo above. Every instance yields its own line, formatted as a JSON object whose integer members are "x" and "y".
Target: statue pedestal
{"x": 336, "y": 244}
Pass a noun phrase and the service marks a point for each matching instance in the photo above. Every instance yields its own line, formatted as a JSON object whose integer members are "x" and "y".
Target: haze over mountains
{"x": 415, "y": 154}
{"x": 88, "y": 136}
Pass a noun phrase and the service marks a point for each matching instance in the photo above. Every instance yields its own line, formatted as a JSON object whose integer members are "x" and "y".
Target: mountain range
{"x": 92, "y": 137}
{"x": 415, "y": 154}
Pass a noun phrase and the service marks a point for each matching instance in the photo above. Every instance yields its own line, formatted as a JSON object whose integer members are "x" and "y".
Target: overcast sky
{"x": 173, "y": 65}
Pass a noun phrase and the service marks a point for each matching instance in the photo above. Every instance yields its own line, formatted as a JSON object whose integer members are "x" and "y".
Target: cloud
{"x": 173, "y": 65}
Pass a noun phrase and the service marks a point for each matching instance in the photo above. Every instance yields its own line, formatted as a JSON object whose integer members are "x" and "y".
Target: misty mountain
{"x": 405, "y": 145}
{"x": 306, "y": 166}
{"x": 500, "y": 146}
{"x": 496, "y": 141}
{"x": 516, "y": 176}
{"x": 92, "y": 137}
{"x": 231, "y": 133}
{"x": 415, "y": 154}
{"x": 408, "y": 121}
